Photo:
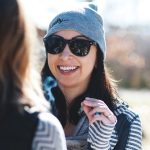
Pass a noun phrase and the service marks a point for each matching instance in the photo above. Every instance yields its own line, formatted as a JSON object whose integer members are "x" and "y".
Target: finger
{"x": 102, "y": 109}
{"x": 99, "y": 118}
{"x": 92, "y": 103}
{"x": 85, "y": 108}
{"x": 89, "y": 116}
{"x": 94, "y": 100}
{"x": 103, "y": 118}
{"x": 87, "y": 111}
{"x": 97, "y": 107}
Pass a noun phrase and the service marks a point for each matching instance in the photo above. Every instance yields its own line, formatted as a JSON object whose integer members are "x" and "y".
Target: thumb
{"x": 86, "y": 109}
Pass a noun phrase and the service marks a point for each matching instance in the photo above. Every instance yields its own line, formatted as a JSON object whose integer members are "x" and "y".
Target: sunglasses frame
{"x": 66, "y": 41}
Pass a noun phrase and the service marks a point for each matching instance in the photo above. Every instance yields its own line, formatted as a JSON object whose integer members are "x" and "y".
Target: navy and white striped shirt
{"x": 105, "y": 137}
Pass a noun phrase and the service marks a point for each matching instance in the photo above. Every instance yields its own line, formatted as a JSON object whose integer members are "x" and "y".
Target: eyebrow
{"x": 81, "y": 37}
{"x": 75, "y": 37}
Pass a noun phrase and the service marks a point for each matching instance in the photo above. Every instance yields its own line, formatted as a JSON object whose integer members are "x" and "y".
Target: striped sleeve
{"x": 49, "y": 134}
{"x": 135, "y": 135}
{"x": 99, "y": 135}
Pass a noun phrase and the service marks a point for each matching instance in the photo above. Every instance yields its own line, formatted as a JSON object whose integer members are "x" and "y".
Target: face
{"x": 71, "y": 70}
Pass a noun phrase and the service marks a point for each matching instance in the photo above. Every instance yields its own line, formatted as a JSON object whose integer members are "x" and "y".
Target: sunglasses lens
{"x": 80, "y": 47}
{"x": 54, "y": 44}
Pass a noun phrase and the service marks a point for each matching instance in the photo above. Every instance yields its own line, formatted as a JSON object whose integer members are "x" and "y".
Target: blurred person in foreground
{"x": 79, "y": 87}
{"x": 24, "y": 119}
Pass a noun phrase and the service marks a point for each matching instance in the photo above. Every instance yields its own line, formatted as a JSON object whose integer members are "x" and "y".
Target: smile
{"x": 67, "y": 68}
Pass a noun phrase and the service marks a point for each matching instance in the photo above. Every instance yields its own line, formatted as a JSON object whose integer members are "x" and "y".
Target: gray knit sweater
{"x": 49, "y": 134}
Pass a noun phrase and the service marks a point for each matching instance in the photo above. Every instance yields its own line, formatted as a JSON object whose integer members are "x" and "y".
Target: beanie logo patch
{"x": 59, "y": 21}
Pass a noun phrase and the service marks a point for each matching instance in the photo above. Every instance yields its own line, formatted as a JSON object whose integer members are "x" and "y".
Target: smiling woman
{"x": 68, "y": 66}
{"x": 78, "y": 85}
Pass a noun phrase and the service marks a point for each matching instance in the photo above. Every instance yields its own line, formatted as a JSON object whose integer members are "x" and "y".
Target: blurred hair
{"x": 19, "y": 80}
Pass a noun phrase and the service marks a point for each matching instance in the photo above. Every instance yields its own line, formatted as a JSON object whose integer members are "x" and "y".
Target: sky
{"x": 122, "y": 13}
{"x": 127, "y": 12}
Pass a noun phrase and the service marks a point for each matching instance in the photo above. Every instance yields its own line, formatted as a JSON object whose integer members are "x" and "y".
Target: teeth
{"x": 67, "y": 68}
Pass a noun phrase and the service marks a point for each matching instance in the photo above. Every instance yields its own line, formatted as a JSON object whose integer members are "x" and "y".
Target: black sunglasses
{"x": 78, "y": 45}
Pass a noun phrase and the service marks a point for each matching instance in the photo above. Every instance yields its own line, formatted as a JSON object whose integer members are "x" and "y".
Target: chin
{"x": 67, "y": 84}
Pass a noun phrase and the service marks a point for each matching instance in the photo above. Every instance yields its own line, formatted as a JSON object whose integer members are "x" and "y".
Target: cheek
{"x": 51, "y": 61}
{"x": 91, "y": 60}
{"x": 89, "y": 64}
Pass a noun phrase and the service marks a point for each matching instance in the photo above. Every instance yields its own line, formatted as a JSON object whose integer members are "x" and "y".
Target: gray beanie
{"x": 84, "y": 20}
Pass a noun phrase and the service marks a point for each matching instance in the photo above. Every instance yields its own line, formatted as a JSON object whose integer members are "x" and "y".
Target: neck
{"x": 72, "y": 92}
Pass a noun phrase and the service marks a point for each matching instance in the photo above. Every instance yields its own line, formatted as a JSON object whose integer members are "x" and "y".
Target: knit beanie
{"x": 84, "y": 20}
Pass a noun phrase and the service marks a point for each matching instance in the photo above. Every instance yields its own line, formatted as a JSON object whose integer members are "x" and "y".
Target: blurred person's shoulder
{"x": 49, "y": 131}
{"x": 45, "y": 118}
{"x": 49, "y": 119}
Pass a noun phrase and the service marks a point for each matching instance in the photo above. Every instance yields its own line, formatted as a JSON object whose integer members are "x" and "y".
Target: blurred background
{"x": 127, "y": 28}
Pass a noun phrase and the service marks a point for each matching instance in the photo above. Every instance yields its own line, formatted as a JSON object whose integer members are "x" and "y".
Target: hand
{"x": 97, "y": 110}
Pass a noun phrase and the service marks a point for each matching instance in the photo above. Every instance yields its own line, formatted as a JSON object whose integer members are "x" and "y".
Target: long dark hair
{"x": 101, "y": 86}
{"x": 17, "y": 85}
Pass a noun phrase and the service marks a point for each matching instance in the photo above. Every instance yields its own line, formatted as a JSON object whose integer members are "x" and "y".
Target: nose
{"x": 66, "y": 53}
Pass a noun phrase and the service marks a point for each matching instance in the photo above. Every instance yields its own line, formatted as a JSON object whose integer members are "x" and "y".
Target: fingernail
{"x": 87, "y": 98}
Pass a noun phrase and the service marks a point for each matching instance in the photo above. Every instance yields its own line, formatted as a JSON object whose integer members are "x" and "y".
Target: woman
{"x": 79, "y": 87}
{"x": 25, "y": 121}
